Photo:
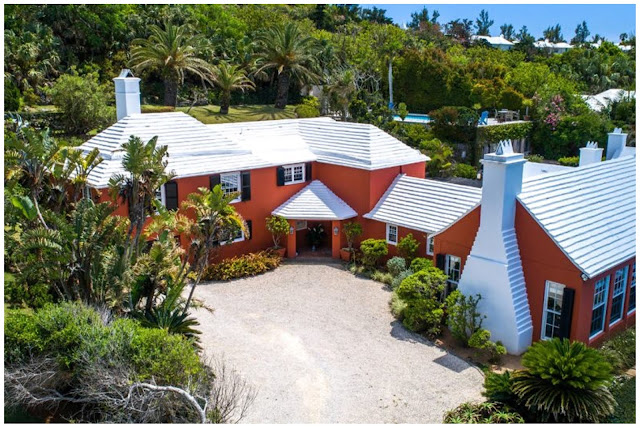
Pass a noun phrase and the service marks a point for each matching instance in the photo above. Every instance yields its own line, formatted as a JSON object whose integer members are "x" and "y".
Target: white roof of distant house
{"x": 551, "y": 45}
{"x": 494, "y": 40}
{"x": 425, "y": 205}
{"x": 602, "y": 100}
{"x": 315, "y": 202}
{"x": 198, "y": 149}
{"x": 355, "y": 145}
{"x": 589, "y": 212}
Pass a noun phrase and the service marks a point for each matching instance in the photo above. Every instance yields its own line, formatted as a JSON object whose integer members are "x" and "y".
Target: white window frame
{"x": 301, "y": 224}
{"x": 447, "y": 267}
{"x": 161, "y": 196}
{"x": 239, "y": 181}
{"x": 430, "y": 245}
{"x": 632, "y": 284}
{"x": 620, "y": 293}
{"x": 389, "y": 241}
{"x": 291, "y": 169}
{"x": 606, "y": 280}
{"x": 239, "y": 239}
{"x": 547, "y": 310}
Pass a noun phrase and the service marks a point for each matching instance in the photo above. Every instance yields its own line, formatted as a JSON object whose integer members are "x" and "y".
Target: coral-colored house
{"x": 551, "y": 249}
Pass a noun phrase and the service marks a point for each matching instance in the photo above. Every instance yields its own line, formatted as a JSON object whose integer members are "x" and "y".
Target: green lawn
{"x": 245, "y": 113}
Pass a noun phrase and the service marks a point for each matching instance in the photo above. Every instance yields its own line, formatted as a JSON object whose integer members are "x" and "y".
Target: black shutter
{"x": 246, "y": 185}
{"x": 249, "y": 229}
{"x": 280, "y": 176}
{"x": 440, "y": 261}
{"x": 307, "y": 171}
{"x": 214, "y": 180}
{"x": 567, "y": 310}
{"x": 171, "y": 195}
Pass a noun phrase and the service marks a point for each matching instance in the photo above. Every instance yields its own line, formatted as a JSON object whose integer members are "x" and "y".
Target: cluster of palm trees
{"x": 173, "y": 52}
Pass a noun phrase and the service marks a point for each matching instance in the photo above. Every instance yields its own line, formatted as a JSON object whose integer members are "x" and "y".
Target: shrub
{"x": 498, "y": 387}
{"x": 395, "y": 282}
{"x": 395, "y": 265}
{"x": 481, "y": 340}
{"x": 351, "y": 231}
{"x": 383, "y": 277}
{"x": 511, "y": 99}
{"x": 463, "y": 318}
{"x": 564, "y": 381}
{"x": 402, "y": 111}
{"x": 310, "y": 107}
{"x": 421, "y": 292}
{"x": 420, "y": 263}
{"x": 535, "y": 158}
{"x": 398, "y": 306}
{"x": 242, "y": 266}
{"x": 408, "y": 247}
{"x": 372, "y": 251}
{"x": 620, "y": 350}
{"x": 482, "y": 413}
{"x": 465, "y": 171}
{"x": 12, "y": 98}
{"x": 624, "y": 392}
{"x": 279, "y": 227}
{"x": 569, "y": 161}
{"x": 82, "y": 102}
{"x": 18, "y": 293}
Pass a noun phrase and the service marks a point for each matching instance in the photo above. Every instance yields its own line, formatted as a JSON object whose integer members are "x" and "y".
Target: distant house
{"x": 558, "y": 48}
{"x": 498, "y": 42}
{"x": 604, "y": 99}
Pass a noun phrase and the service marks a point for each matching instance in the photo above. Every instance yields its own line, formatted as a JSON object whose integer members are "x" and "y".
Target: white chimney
{"x": 493, "y": 268}
{"x": 127, "y": 94}
{"x": 616, "y": 144}
{"x": 590, "y": 154}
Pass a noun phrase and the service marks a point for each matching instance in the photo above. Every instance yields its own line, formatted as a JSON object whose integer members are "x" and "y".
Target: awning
{"x": 315, "y": 202}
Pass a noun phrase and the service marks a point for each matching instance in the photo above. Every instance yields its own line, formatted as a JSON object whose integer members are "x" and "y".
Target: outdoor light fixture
{"x": 584, "y": 276}
{"x": 290, "y": 230}
{"x": 336, "y": 230}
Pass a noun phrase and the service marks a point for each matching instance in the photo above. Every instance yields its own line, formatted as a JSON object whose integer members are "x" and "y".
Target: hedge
{"x": 239, "y": 267}
{"x": 513, "y": 131}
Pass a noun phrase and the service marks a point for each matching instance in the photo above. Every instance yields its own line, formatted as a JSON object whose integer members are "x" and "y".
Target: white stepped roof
{"x": 315, "y": 202}
{"x": 602, "y": 100}
{"x": 355, "y": 145}
{"x": 425, "y": 205}
{"x": 198, "y": 149}
{"x": 590, "y": 212}
{"x": 494, "y": 40}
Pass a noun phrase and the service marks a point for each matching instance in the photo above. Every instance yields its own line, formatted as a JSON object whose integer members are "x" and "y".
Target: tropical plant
{"x": 173, "y": 52}
{"x": 421, "y": 292}
{"x": 498, "y": 387}
{"x": 316, "y": 234}
{"x": 291, "y": 53}
{"x": 145, "y": 165}
{"x": 242, "y": 266}
{"x": 564, "y": 381}
{"x": 351, "y": 231}
{"x": 340, "y": 89}
{"x": 483, "y": 23}
{"x": 279, "y": 227}
{"x": 230, "y": 78}
{"x": 372, "y": 251}
{"x": 482, "y": 413}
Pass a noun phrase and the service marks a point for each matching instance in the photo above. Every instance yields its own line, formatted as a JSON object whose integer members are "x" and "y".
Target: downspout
{"x": 390, "y": 83}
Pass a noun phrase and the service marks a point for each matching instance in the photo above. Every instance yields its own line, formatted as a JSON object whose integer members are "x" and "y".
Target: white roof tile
{"x": 315, "y": 202}
{"x": 425, "y": 205}
{"x": 198, "y": 149}
{"x": 590, "y": 212}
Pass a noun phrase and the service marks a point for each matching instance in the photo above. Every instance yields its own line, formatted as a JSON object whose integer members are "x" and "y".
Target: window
{"x": 617, "y": 301}
{"x": 160, "y": 196}
{"x": 293, "y": 174}
{"x": 430, "y": 245}
{"x": 301, "y": 224}
{"x": 452, "y": 269}
{"x": 554, "y": 293}
{"x": 230, "y": 183}
{"x": 237, "y": 237}
{"x": 392, "y": 234}
{"x": 632, "y": 289}
{"x": 600, "y": 295}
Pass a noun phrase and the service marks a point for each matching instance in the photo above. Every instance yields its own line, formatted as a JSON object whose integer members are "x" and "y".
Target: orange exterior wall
{"x": 458, "y": 239}
{"x": 543, "y": 261}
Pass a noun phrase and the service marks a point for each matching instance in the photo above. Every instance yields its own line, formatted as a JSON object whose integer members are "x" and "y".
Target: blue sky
{"x": 607, "y": 20}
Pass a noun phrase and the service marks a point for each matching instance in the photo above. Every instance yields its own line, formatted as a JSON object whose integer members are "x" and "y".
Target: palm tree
{"x": 173, "y": 52}
{"x": 229, "y": 78}
{"x": 341, "y": 88}
{"x": 145, "y": 173}
{"x": 291, "y": 53}
{"x": 216, "y": 222}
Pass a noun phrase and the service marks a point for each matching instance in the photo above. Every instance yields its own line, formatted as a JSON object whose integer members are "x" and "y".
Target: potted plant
{"x": 351, "y": 230}
{"x": 526, "y": 104}
{"x": 316, "y": 235}
{"x": 279, "y": 227}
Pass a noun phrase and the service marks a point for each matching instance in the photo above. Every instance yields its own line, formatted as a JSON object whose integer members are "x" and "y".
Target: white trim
{"x": 389, "y": 226}
{"x": 432, "y": 239}
{"x": 625, "y": 270}
{"x": 239, "y": 181}
{"x": 292, "y": 167}
{"x": 545, "y": 308}
{"x": 301, "y": 227}
{"x": 632, "y": 284}
{"x": 607, "y": 280}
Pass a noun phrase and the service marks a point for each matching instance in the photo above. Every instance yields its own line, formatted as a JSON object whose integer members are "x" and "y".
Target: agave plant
{"x": 564, "y": 381}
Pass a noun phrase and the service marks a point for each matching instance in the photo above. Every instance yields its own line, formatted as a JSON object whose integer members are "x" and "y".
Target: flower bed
{"x": 247, "y": 265}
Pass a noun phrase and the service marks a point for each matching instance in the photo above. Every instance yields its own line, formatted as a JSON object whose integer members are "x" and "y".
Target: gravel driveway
{"x": 321, "y": 345}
